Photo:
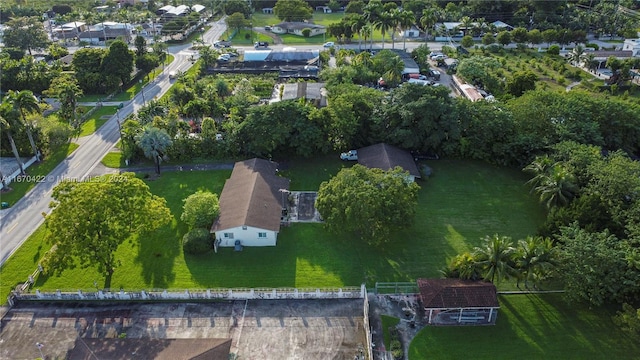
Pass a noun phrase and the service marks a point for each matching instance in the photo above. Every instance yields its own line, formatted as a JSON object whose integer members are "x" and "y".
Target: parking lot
{"x": 259, "y": 329}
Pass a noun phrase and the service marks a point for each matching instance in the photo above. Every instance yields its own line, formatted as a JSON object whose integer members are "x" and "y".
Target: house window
{"x": 262, "y": 235}
{"x": 244, "y": 228}
{"x": 228, "y": 235}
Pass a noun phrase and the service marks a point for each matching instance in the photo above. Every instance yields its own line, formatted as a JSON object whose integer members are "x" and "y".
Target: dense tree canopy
{"x": 91, "y": 219}
{"x": 26, "y": 33}
{"x": 371, "y": 203}
{"x": 293, "y": 10}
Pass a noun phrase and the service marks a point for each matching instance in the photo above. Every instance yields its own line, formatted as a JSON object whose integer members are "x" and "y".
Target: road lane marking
{"x": 13, "y": 227}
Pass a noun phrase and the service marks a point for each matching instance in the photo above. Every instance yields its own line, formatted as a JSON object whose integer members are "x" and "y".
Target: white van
{"x": 172, "y": 75}
{"x": 420, "y": 82}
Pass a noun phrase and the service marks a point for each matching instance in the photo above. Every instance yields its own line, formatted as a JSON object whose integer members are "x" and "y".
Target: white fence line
{"x": 208, "y": 294}
{"x": 16, "y": 173}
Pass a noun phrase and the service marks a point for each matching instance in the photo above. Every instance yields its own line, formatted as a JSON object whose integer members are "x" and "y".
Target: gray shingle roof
{"x": 386, "y": 157}
{"x": 252, "y": 197}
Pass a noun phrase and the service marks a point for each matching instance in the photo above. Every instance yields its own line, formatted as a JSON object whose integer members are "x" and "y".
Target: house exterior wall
{"x": 632, "y": 45}
{"x": 278, "y": 30}
{"x": 461, "y": 316}
{"x": 248, "y": 235}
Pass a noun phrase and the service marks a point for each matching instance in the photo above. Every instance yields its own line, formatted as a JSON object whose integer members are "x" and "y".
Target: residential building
{"x": 251, "y": 205}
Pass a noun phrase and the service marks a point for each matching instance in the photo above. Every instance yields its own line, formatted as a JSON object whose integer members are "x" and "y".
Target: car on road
{"x": 267, "y": 28}
{"x": 416, "y": 76}
{"x": 438, "y": 57}
{"x": 261, "y": 45}
{"x": 351, "y": 155}
{"x": 329, "y": 44}
{"x": 172, "y": 74}
{"x": 434, "y": 74}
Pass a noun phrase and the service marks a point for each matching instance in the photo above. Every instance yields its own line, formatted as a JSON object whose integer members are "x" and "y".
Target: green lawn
{"x": 95, "y": 121}
{"x": 462, "y": 202}
{"x": 37, "y": 171}
{"x": 388, "y": 322}
{"x": 530, "y": 327}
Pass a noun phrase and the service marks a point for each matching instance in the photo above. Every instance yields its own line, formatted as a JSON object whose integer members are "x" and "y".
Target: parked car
{"x": 268, "y": 28}
{"x": 222, "y": 44}
{"x": 438, "y": 57}
{"x": 417, "y": 76}
{"x": 434, "y": 74}
{"x": 261, "y": 45}
{"x": 328, "y": 44}
{"x": 420, "y": 82}
{"x": 224, "y": 57}
{"x": 351, "y": 155}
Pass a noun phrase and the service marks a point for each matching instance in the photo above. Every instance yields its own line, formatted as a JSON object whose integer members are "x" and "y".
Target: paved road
{"x": 21, "y": 220}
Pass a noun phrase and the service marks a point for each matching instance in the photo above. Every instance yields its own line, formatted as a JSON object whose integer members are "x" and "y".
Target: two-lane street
{"x": 22, "y": 219}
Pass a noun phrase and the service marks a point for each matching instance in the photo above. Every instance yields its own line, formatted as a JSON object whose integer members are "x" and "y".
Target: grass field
{"x": 37, "y": 171}
{"x": 95, "y": 121}
{"x": 461, "y": 203}
{"x": 530, "y": 327}
{"x": 388, "y": 322}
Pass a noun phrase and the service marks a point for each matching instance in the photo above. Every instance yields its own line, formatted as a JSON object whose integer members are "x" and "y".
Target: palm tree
{"x": 372, "y": 13}
{"x": 363, "y": 59}
{"x": 539, "y": 168}
{"x": 23, "y": 102}
{"x": 395, "y": 67}
{"x": 357, "y": 26}
{"x": 534, "y": 259}
{"x": 462, "y": 266}
{"x": 466, "y": 24}
{"x": 406, "y": 19}
{"x": 101, "y": 17}
{"x": 558, "y": 188}
{"x": 577, "y": 55}
{"x": 7, "y": 122}
{"x": 428, "y": 20}
{"x": 495, "y": 258}
{"x": 154, "y": 143}
{"x": 384, "y": 23}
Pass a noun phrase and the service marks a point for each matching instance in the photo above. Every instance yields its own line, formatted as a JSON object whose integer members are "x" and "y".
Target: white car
{"x": 328, "y": 44}
{"x": 351, "y": 155}
{"x": 224, "y": 57}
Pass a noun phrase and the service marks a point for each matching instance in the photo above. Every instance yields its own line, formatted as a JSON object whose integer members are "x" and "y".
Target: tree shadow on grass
{"x": 157, "y": 252}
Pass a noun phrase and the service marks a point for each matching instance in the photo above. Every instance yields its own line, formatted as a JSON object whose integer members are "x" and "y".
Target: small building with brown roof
{"x": 459, "y": 302}
{"x": 386, "y": 157}
{"x": 251, "y": 205}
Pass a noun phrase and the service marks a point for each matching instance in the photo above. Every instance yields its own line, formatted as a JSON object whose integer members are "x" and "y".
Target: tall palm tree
{"x": 539, "y": 168}
{"x": 534, "y": 259}
{"x": 357, "y": 25}
{"x": 372, "y": 13}
{"x": 495, "y": 258}
{"x": 24, "y": 102}
{"x": 384, "y": 23}
{"x": 102, "y": 17}
{"x": 8, "y": 119}
{"x": 154, "y": 143}
{"x": 406, "y": 19}
{"x": 428, "y": 20}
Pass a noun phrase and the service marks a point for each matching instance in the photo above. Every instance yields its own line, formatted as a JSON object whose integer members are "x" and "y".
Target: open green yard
{"x": 530, "y": 327}
{"x": 96, "y": 120}
{"x": 37, "y": 171}
{"x": 461, "y": 203}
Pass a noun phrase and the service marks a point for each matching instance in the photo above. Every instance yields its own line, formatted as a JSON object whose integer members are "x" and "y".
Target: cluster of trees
{"x": 531, "y": 261}
{"x": 199, "y": 211}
